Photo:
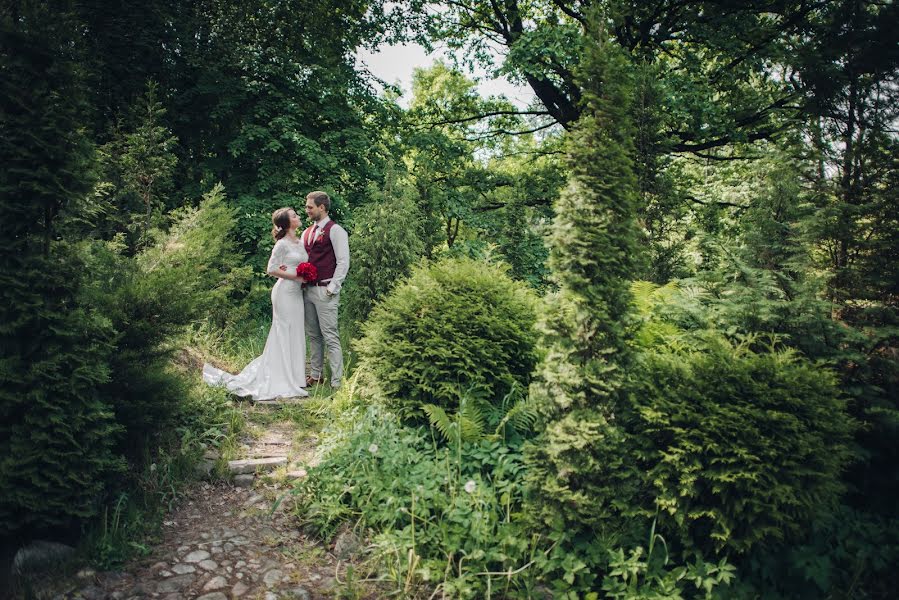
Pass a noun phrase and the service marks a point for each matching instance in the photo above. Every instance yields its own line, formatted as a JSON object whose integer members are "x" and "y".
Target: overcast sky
{"x": 395, "y": 64}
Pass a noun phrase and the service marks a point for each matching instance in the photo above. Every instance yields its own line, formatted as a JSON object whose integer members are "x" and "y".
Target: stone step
{"x": 255, "y": 465}
{"x": 280, "y": 401}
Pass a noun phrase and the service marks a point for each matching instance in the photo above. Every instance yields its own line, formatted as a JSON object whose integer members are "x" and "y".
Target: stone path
{"x": 231, "y": 539}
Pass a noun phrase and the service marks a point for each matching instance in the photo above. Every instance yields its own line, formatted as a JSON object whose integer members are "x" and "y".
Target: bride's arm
{"x": 276, "y": 260}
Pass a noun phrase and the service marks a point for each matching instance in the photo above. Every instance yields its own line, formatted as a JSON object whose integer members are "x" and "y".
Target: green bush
{"x": 739, "y": 447}
{"x": 58, "y": 435}
{"x": 383, "y": 249}
{"x": 190, "y": 272}
{"x": 57, "y": 432}
{"x": 457, "y": 328}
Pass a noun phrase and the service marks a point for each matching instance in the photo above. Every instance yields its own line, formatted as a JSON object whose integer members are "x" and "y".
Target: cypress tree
{"x": 56, "y": 434}
{"x": 594, "y": 247}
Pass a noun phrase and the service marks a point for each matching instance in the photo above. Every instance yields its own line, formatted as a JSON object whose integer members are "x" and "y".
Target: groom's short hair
{"x": 320, "y": 199}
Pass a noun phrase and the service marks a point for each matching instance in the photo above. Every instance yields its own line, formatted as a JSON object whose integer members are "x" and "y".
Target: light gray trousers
{"x": 321, "y": 327}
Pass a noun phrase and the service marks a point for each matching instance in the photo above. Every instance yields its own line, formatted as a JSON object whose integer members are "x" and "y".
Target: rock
{"x": 39, "y": 555}
{"x": 141, "y": 589}
{"x": 272, "y": 578}
{"x": 298, "y": 593}
{"x": 204, "y": 467}
{"x": 346, "y": 545}
{"x": 213, "y": 596}
{"x": 196, "y": 556}
{"x": 86, "y": 573}
{"x": 244, "y": 480}
{"x": 92, "y": 592}
{"x": 183, "y": 569}
{"x": 239, "y": 589}
{"x": 209, "y": 565}
{"x": 298, "y": 474}
{"x": 252, "y": 500}
{"x": 216, "y": 583}
{"x": 175, "y": 584}
{"x": 271, "y": 596}
{"x": 165, "y": 573}
{"x": 255, "y": 465}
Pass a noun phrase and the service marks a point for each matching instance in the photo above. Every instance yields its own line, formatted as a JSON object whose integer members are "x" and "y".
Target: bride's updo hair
{"x": 280, "y": 222}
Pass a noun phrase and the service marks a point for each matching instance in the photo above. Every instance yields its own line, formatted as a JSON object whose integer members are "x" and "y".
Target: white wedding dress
{"x": 281, "y": 370}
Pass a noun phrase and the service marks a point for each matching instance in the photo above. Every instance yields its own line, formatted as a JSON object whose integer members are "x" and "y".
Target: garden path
{"x": 233, "y": 538}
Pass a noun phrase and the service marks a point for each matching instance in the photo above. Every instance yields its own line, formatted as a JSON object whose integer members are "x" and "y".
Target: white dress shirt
{"x": 340, "y": 241}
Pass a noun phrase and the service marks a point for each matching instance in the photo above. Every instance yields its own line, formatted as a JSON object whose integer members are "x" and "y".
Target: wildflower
{"x": 373, "y": 448}
{"x": 470, "y": 486}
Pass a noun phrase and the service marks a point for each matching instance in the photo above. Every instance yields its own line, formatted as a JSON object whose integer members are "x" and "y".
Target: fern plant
{"x": 515, "y": 417}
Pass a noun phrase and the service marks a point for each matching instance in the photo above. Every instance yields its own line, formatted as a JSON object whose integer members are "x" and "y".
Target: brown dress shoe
{"x": 310, "y": 380}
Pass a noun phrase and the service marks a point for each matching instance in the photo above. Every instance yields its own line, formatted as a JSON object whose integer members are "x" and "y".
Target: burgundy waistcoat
{"x": 320, "y": 250}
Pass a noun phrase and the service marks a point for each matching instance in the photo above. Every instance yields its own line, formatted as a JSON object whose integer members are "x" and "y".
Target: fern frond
{"x": 471, "y": 420}
{"x": 522, "y": 415}
{"x": 439, "y": 420}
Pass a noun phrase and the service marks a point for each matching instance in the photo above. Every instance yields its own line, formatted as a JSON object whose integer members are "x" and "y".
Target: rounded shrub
{"x": 456, "y": 328}
{"x": 740, "y": 447}
{"x": 728, "y": 448}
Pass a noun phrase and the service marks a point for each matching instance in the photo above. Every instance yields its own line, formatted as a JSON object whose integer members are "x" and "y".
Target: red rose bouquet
{"x": 307, "y": 271}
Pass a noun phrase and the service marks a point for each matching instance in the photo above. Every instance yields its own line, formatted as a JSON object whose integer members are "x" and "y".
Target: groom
{"x": 329, "y": 250}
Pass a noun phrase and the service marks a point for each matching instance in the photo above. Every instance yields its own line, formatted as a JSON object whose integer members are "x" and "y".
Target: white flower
{"x": 373, "y": 448}
{"x": 470, "y": 486}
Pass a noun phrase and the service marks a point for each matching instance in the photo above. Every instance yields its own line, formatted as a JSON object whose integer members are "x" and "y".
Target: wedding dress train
{"x": 280, "y": 372}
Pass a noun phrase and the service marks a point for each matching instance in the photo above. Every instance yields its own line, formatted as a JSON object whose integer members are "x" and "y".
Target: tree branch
{"x": 498, "y": 205}
{"x": 496, "y": 113}
{"x": 499, "y": 132}
{"x": 696, "y": 200}
{"x": 561, "y": 5}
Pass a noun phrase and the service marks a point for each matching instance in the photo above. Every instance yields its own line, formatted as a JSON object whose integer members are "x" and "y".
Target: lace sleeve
{"x": 279, "y": 254}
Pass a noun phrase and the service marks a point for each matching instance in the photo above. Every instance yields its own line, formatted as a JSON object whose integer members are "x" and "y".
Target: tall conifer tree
{"x": 56, "y": 434}
{"x": 594, "y": 247}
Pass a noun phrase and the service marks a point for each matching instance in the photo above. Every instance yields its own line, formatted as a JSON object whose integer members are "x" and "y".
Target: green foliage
{"x": 737, "y": 447}
{"x": 844, "y": 554}
{"x": 136, "y": 174}
{"x": 445, "y": 518}
{"x": 650, "y": 577}
{"x": 205, "y": 419}
{"x": 457, "y": 328}
{"x": 57, "y": 432}
{"x": 385, "y": 242}
{"x": 516, "y": 417}
{"x": 593, "y": 252}
{"x": 190, "y": 272}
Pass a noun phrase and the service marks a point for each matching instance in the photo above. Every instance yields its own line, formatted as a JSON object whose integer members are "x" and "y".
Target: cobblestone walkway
{"x": 223, "y": 542}
{"x": 230, "y": 539}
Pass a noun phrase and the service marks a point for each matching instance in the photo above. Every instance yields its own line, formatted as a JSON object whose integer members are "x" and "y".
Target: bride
{"x": 281, "y": 370}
